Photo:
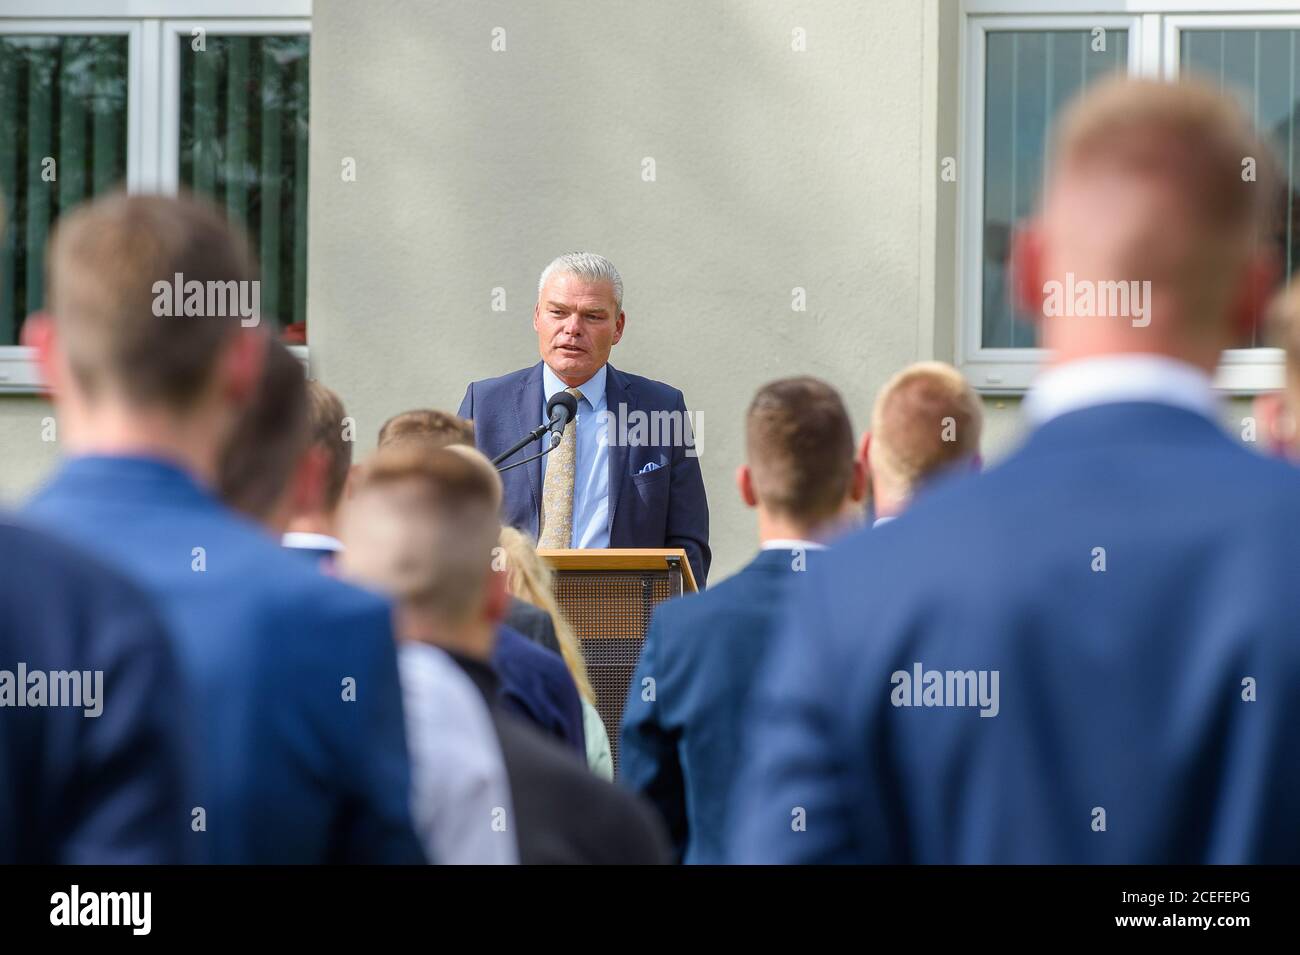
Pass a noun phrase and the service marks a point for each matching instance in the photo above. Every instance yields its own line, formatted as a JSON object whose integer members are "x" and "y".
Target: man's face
{"x": 577, "y": 323}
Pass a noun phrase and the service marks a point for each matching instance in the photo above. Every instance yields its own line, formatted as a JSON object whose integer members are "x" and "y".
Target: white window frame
{"x": 153, "y": 29}
{"x": 1153, "y": 27}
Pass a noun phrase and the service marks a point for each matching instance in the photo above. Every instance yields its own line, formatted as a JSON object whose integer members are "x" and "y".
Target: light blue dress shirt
{"x": 591, "y": 470}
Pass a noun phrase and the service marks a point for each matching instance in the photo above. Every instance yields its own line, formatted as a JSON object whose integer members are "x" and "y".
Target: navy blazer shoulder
{"x": 665, "y": 506}
{"x": 680, "y": 746}
{"x": 91, "y": 783}
{"x": 1129, "y": 575}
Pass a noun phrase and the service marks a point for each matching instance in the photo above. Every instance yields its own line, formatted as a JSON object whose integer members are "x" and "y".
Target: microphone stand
{"x": 555, "y": 443}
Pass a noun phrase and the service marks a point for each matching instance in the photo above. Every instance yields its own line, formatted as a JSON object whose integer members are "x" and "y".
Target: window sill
{"x": 1243, "y": 372}
{"x": 20, "y": 376}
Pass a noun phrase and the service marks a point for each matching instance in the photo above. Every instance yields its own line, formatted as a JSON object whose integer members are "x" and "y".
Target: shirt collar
{"x": 303, "y": 540}
{"x": 884, "y": 520}
{"x": 791, "y": 543}
{"x": 593, "y": 389}
{"x": 1120, "y": 378}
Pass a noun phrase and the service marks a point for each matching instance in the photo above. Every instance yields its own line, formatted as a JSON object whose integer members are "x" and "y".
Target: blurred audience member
{"x": 313, "y": 528}
{"x": 683, "y": 722}
{"x": 926, "y": 423}
{"x": 277, "y": 465}
{"x": 299, "y": 742}
{"x": 535, "y": 683}
{"x": 1056, "y": 662}
{"x": 422, "y": 524}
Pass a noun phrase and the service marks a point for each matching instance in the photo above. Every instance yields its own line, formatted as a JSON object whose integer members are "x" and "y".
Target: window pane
{"x": 1029, "y": 77}
{"x": 62, "y": 139}
{"x": 1259, "y": 66}
{"x": 243, "y": 141}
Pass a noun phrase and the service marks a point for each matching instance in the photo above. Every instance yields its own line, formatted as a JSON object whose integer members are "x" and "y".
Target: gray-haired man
{"x": 626, "y": 473}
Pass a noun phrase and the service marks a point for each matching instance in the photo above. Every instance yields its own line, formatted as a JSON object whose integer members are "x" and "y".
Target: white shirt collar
{"x": 593, "y": 389}
{"x": 302, "y": 540}
{"x": 791, "y": 543}
{"x": 1115, "y": 378}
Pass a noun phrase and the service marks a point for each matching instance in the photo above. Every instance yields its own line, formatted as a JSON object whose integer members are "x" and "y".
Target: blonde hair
{"x": 529, "y": 578}
{"x": 926, "y": 418}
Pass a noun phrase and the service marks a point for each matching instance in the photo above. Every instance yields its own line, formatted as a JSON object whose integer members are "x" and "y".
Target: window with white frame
{"x": 1023, "y": 61}
{"x": 152, "y": 96}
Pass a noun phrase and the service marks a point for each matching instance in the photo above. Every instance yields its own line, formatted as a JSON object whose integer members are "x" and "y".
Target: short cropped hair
{"x": 326, "y": 431}
{"x": 269, "y": 438}
{"x": 588, "y": 266}
{"x": 433, "y": 427}
{"x": 422, "y": 526}
{"x": 799, "y": 445}
{"x": 1197, "y": 142}
{"x": 104, "y": 260}
{"x": 926, "y": 418}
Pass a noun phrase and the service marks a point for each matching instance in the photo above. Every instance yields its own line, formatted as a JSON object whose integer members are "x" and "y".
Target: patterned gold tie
{"x": 557, "y": 487}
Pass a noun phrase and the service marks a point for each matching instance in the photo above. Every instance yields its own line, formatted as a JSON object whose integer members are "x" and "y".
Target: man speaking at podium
{"x": 611, "y": 481}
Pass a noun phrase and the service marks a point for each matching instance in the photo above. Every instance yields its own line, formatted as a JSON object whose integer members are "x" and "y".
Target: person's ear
{"x": 618, "y": 327}
{"x": 858, "y": 482}
{"x": 39, "y": 333}
{"x": 309, "y": 477}
{"x": 351, "y": 482}
{"x": 1275, "y": 428}
{"x": 537, "y": 316}
{"x": 496, "y": 597}
{"x": 1026, "y": 270}
{"x": 242, "y": 364}
{"x": 1258, "y": 284}
{"x": 745, "y": 485}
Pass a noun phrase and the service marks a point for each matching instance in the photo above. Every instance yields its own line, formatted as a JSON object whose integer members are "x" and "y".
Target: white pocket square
{"x": 650, "y": 466}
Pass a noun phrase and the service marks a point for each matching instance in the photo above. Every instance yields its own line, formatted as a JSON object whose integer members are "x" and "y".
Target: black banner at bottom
{"x": 332, "y": 905}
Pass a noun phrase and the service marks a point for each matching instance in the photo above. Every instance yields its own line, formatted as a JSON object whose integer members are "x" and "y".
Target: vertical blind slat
{"x": 270, "y": 179}
{"x": 41, "y": 73}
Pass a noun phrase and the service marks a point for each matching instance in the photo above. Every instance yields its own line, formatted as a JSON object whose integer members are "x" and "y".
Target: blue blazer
{"x": 536, "y": 685}
{"x": 1146, "y": 712}
{"x": 681, "y": 748}
{"x": 290, "y": 676}
{"x": 77, "y": 788}
{"x": 665, "y": 507}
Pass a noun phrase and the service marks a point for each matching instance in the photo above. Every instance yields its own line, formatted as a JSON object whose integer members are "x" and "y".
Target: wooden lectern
{"x": 607, "y": 597}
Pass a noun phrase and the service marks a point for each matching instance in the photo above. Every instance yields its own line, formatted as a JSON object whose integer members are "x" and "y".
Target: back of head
{"x": 926, "y": 419}
{"x": 429, "y": 426}
{"x": 422, "y": 526}
{"x": 799, "y": 446}
{"x": 117, "y": 268}
{"x": 326, "y": 431}
{"x": 1146, "y": 183}
{"x": 269, "y": 438}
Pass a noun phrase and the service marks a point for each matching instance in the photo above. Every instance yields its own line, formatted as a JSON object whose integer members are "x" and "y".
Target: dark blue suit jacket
{"x": 536, "y": 685}
{"x": 81, "y": 789}
{"x": 288, "y": 769}
{"x": 681, "y": 749}
{"x": 1120, "y": 691}
{"x": 665, "y": 507}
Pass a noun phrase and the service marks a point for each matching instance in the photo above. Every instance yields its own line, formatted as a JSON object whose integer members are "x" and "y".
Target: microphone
{"x": 561, "y": 409}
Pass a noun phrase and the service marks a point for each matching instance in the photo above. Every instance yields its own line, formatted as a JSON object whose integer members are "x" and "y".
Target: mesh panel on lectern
{"x": 610, "y": 610}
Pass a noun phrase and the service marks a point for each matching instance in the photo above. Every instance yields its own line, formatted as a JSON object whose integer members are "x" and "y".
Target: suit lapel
{"x": 619, "y": 401}
{"x": 528, "y": 415}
